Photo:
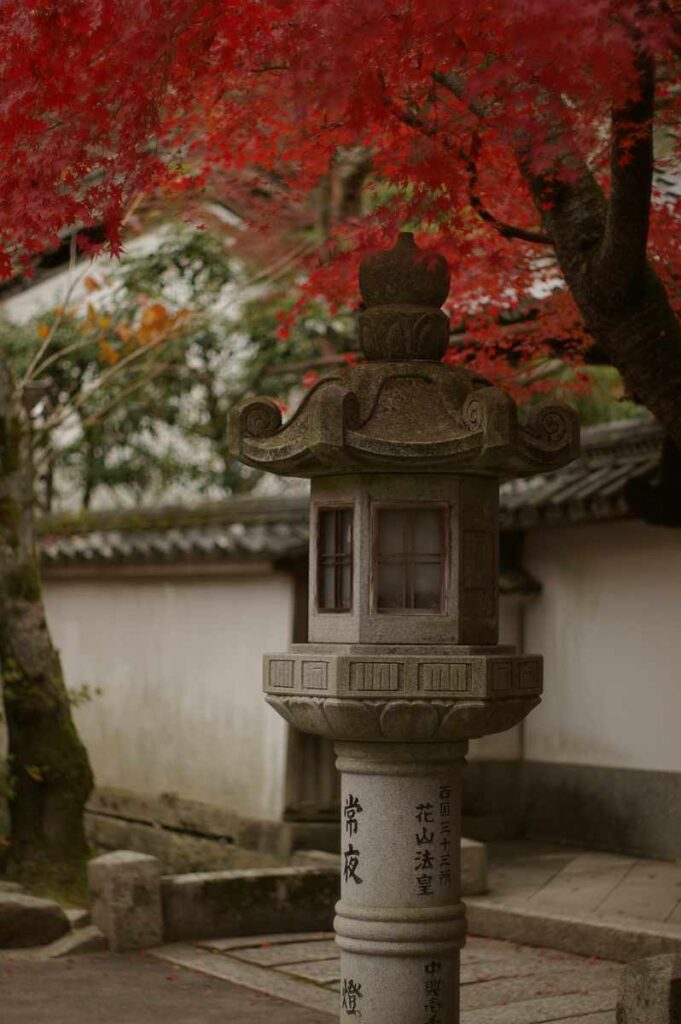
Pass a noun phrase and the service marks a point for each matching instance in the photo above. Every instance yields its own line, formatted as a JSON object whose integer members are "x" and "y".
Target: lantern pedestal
{"x": 400, "y": 717}
{"x": 400, "y": 922}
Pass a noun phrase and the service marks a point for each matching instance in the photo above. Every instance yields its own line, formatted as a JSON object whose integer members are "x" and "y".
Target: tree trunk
{"x": 642, "y": 338}
{"x": 629, "y": 315}
{"x": 49, "y": 773}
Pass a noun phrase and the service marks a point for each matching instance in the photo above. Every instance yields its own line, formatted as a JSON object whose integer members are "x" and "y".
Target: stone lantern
{"x": 403, "y": 666}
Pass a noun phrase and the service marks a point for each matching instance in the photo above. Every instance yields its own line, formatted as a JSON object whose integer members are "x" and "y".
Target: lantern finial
{"x": 403, "y": 290}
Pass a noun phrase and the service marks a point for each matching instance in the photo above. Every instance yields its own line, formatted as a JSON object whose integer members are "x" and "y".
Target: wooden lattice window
{"x": 334, "y": 559}
{"x": 409, "y": 551}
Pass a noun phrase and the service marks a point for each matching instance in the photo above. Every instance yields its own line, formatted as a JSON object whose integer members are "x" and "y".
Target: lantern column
{"x": 400, "y": 922}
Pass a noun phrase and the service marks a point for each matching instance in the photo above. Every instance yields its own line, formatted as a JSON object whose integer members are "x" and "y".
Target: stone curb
{"x": 621, "y": 938}
{"x": 260, "y": 979}
{"x": 220, "y": 904}
{"x": 86, "y": 939}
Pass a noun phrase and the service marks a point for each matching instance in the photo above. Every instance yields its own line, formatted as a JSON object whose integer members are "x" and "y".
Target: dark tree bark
{"x": 49, "y": 772}
{"x": 600, "y": 242}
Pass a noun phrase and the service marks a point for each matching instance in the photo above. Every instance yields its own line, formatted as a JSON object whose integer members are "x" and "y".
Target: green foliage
{"x": 604, "y": 402}
{"x": 136, "y": 388}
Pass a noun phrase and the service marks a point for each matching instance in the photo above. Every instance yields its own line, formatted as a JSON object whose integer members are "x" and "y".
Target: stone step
{"x": 609, "y": 938}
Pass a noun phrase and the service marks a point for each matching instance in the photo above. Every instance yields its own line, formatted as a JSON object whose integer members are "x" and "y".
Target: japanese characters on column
{"x": 351, "y": 992}
{"x": 432, "y": 858}
{"x": 445, "y": 835}
{"x": 433, "y": 992}
{"x": 351, "y": 854}
{"x": 352, "y": 996}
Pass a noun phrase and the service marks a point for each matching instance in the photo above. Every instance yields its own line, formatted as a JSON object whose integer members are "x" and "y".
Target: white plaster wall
{"x": 179, "y": 663}
{"x": 608, "y": 623}
{"x": 508, "y": 745}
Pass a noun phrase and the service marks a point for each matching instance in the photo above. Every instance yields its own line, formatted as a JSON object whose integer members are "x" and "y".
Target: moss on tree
{"x": 49, "y": 777}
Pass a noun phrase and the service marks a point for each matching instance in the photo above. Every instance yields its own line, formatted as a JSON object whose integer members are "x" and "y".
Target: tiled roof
{"x": 256, "y": 529}
{"x": 593, "y": 486}
{"x": 236, "y": 530}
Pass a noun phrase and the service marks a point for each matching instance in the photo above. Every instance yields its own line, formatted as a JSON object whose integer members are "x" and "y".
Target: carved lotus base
{"x": 402, "y": 720}
{"x": 436, "y": 696}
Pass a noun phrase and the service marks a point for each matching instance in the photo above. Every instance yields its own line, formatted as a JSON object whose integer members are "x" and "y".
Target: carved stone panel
{"x": 327, "y": 672}
{"x": 375, "y": 676}
{"x": 445, "y": 677}
{"x": 315, "y": 675}
{"x": 281, "y": 673}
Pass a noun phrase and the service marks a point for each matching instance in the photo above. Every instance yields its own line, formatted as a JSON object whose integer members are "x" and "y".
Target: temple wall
{"x": 179, "y": 665}
{"x": 608, "y": 623}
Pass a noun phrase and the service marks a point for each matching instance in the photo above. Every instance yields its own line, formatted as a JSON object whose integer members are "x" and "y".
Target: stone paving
{"x": 579, "y": 901}
{"x": 502, "y": 983}
{"x": 602, "y": 885}
{"x": 133, "y": 988}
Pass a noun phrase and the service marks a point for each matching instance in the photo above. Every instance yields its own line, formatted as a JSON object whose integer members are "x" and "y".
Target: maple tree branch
{"x": 456, "y": 84}
{"x": 76, "y": 346}
{"x": 35, "y": 367}
{"x": 506, "y": 230}
{"x": 625, "y": 238}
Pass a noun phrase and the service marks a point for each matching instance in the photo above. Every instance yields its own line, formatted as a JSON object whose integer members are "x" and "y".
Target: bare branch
{"x": 76, "y": 346}
{"x": 146, "y": 378}
{"x": 63, "y": 414}
{"x": 34, "y": 365}
{"x": 51, "y": 448}
{"x": 47, "y": 341}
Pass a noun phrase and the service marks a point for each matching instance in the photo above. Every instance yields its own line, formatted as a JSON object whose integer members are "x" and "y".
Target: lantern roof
{"x": 403, "y": 410}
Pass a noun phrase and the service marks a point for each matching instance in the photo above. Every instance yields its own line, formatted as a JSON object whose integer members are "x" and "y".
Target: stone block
{"x": 219, "y": 904}
{"x": 27, "y": 921}
{"x": 650, "y": 991}
{"x": 473, "y": 868}
{"x": 126, "y": 899}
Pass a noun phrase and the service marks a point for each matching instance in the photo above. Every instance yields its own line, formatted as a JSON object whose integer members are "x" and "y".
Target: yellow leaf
{"x": 43, "y": 331}
{"x": 104, "y": 321}
{"x": 91, "y": 283}
{"x": 155, "y": 315}
{"x": 107, "y": 353}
